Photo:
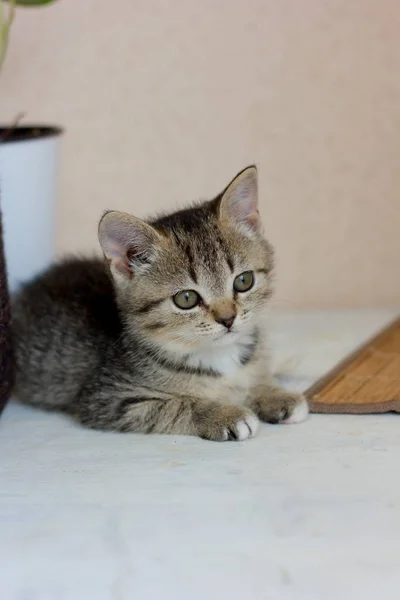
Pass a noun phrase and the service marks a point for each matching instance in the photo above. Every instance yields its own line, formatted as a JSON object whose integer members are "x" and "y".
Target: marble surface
{"x": 309, "y": 511}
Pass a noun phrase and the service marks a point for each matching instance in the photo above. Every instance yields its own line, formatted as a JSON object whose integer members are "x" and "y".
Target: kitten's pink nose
{"x": 226, "y": 321}
{"x": 224, "y": 312}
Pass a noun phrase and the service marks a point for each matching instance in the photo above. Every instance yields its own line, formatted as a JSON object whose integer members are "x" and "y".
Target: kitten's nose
{"x": 226, "y": 321}
{"x": 224, "y": 312}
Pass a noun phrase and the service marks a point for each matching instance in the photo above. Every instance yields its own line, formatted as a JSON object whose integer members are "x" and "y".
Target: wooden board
{"x": 367, "y": 381}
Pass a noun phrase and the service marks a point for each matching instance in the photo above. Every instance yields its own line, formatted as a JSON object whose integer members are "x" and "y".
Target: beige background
{"x": 164, "y": 100}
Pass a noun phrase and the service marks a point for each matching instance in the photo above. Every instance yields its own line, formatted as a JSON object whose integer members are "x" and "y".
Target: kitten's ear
{"x": 127, "y": 242}
{"x": 239, "y": 202}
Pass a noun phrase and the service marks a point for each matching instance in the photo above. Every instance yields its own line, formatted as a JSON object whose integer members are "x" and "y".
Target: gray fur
{"x": 103, "y": 341}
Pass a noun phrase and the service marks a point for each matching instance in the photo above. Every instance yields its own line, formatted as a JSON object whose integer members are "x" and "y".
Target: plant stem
{"x": 6, "y": 19}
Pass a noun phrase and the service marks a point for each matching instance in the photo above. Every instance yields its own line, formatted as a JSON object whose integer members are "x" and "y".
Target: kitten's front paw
{"x": 299, "y": 412}
{"x": 225, "y": 422}
{"x": 279, "y": 406}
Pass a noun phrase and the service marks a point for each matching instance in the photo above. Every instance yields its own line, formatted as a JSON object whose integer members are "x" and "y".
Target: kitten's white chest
{"x": 235, "y": 380}
{"x": 225, "y": 360}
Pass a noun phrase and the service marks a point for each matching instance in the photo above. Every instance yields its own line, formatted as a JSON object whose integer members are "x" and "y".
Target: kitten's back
{"x": 64, "y": 323}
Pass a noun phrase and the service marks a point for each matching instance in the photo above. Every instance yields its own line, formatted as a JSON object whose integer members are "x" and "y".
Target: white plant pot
{"x": 28, "y": 197}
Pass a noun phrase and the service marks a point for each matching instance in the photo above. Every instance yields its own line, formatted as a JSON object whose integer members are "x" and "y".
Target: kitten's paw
{"x": 299, "y": 412}
{"x": 224, "y": 422}
{"x": 279, "y": 406}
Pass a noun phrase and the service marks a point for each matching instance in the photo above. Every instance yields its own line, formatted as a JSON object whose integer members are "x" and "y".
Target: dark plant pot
{"x": 25, "y": 133}
{"x": 6, "y": 353}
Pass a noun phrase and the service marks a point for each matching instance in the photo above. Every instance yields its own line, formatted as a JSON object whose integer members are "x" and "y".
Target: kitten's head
{"x": 194, "y": 279}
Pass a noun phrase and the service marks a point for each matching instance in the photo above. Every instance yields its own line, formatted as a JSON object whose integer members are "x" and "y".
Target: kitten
{"x": 167, "y": 334}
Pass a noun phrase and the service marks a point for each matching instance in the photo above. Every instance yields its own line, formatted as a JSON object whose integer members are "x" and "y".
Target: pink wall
{"x": 164, "y": 101}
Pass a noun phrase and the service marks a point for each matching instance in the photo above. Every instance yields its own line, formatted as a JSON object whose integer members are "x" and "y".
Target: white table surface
{"x": 309, "y": 511}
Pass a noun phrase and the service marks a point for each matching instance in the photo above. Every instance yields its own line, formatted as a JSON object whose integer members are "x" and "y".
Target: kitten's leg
{"x": 273, "y": 404}
{"x": 208, "y": 420}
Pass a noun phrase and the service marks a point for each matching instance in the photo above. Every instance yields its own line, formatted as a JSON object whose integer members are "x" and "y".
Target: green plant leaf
{"x": 32, "y": 2}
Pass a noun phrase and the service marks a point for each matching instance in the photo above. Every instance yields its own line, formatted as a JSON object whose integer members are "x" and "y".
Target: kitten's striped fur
{"x": 104, "y": 341}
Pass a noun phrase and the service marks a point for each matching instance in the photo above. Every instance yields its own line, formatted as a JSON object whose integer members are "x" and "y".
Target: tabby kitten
{"x": 167, "y": 334}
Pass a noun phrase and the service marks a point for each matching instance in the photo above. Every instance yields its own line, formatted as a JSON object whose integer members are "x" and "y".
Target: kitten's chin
{"x": 218, "y": 340}
{"x": 234, "y": 337}
{"x": 226, "y": 338}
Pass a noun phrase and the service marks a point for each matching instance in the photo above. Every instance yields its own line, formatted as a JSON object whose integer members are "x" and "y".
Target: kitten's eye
{"x": 244, "y": 282}
{"x": 186, "y": 299}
